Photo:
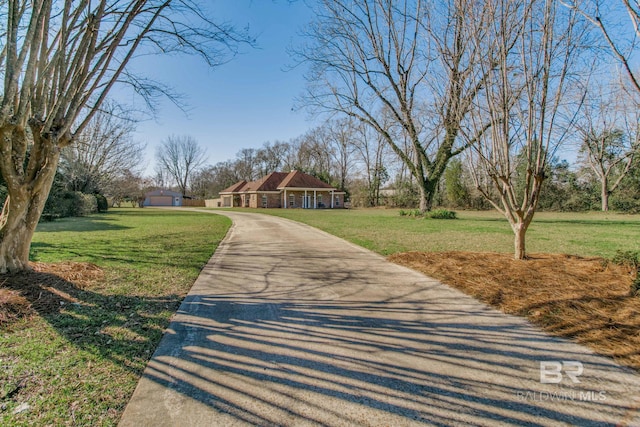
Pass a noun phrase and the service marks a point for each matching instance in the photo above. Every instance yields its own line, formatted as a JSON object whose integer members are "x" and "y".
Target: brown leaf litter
{"x": 43, "y": 289}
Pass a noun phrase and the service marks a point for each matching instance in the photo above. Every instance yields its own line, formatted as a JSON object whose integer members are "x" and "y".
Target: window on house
{"x": 264, "y": 200}
{"x": 337, "y": 200}
{"x": 292, "y": 200}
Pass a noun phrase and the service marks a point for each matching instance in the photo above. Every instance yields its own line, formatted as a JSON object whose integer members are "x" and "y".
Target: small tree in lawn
{"x": 59, "y": 61}
{"x": 534, "y": 48}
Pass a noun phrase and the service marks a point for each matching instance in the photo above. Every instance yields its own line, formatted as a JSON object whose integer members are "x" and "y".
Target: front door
{"x": 306, "y": 202}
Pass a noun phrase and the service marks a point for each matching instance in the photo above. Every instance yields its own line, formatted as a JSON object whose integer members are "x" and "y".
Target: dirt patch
{"x": 44, "y": 289}
{"x": 585, "y": 299}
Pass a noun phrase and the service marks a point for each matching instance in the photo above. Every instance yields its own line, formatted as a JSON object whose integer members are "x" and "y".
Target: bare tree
{"x": 370, "y": 150}
{"x": 103, "y": 151}
{"x": 340, "y": 137}
{"x": 534, "y": 47}
{"x": 180, "y": 156}
{"x": 405, "y": 61}
{"x": 272, "y": 157}
{"x": 209, "y": 181}
{"x": 312, "y": 153}
{"x": 246, "y": 164}
{"x": 610, "y": 138}
{"x": 59, "y": 62}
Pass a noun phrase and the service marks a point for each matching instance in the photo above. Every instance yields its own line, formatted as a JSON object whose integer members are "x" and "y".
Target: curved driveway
{"x": 290, "y": 326}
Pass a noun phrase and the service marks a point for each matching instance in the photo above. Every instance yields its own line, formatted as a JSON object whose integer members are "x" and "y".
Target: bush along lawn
{"x": 77, "y": 332}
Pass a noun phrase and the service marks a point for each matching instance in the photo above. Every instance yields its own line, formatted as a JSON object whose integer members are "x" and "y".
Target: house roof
{"x": 234, "y": 188}
{"x": 297, "y": 179}
{"x": 266, "y": 183}
{"x": 279, "y": 181}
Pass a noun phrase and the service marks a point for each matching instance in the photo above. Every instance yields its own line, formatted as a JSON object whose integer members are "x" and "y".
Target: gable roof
{"x": 266, "y": 183}
{"x": 234, "y": 188}
{"x": 297, "y": 179}
{"x": 279, "y": 181}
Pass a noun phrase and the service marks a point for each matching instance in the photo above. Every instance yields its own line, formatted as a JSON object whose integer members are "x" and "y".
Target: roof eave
{"x": 308, "y": 189}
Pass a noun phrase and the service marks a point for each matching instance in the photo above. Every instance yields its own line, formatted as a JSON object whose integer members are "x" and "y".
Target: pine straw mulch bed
{"x": 44, "y": 289}
{"x": 585, "y": 299}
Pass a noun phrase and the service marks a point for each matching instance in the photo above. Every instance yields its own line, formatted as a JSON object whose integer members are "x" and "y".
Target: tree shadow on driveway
{"x": 266, "y": 361}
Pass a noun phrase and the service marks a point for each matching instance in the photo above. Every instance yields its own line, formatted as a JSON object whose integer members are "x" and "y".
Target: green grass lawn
{"x": 78, "y": 364}
{"x": 386, "y": 232}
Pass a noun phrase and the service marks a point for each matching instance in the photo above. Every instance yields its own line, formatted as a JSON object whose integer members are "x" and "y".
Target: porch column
{"x": 304, "y": 201}
{"x": 331, "y": 199}
{"x": 315, "y": 202}
{"x": 285, "y": 199}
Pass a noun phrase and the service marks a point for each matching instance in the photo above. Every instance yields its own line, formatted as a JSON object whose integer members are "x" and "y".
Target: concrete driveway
{"x": 290, "y": 326}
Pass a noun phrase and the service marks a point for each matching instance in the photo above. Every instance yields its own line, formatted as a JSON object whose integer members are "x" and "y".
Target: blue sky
{"x": 243, "y": 103}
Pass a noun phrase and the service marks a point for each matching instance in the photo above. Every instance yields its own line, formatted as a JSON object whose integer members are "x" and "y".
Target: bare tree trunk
{"x": 605, "y": 192}
{"x": 24, "y": 210}
{"x": 423, "y": 200}
{"x": 519, "y": 231}
{"x": 427, "y": 192}
{"x": 17, "y": 234}
{"x": 605, "y": 195}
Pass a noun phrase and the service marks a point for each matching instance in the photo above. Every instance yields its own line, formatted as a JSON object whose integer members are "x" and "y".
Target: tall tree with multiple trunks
{"x": 59, "y": 61}
{"x": 533, "y": 47}
{"x": 406, "y": 68}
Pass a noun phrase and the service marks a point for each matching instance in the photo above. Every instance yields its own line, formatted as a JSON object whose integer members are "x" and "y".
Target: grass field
{"x": 77, "y": 360}
{"x": 386, "y": 232}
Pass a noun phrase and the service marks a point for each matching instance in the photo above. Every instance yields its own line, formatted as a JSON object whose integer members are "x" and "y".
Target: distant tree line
{"x": 350, "y": 157}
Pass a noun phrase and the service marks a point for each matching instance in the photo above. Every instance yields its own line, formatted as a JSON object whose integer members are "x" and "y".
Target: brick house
{"x": 283, "y": 190}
